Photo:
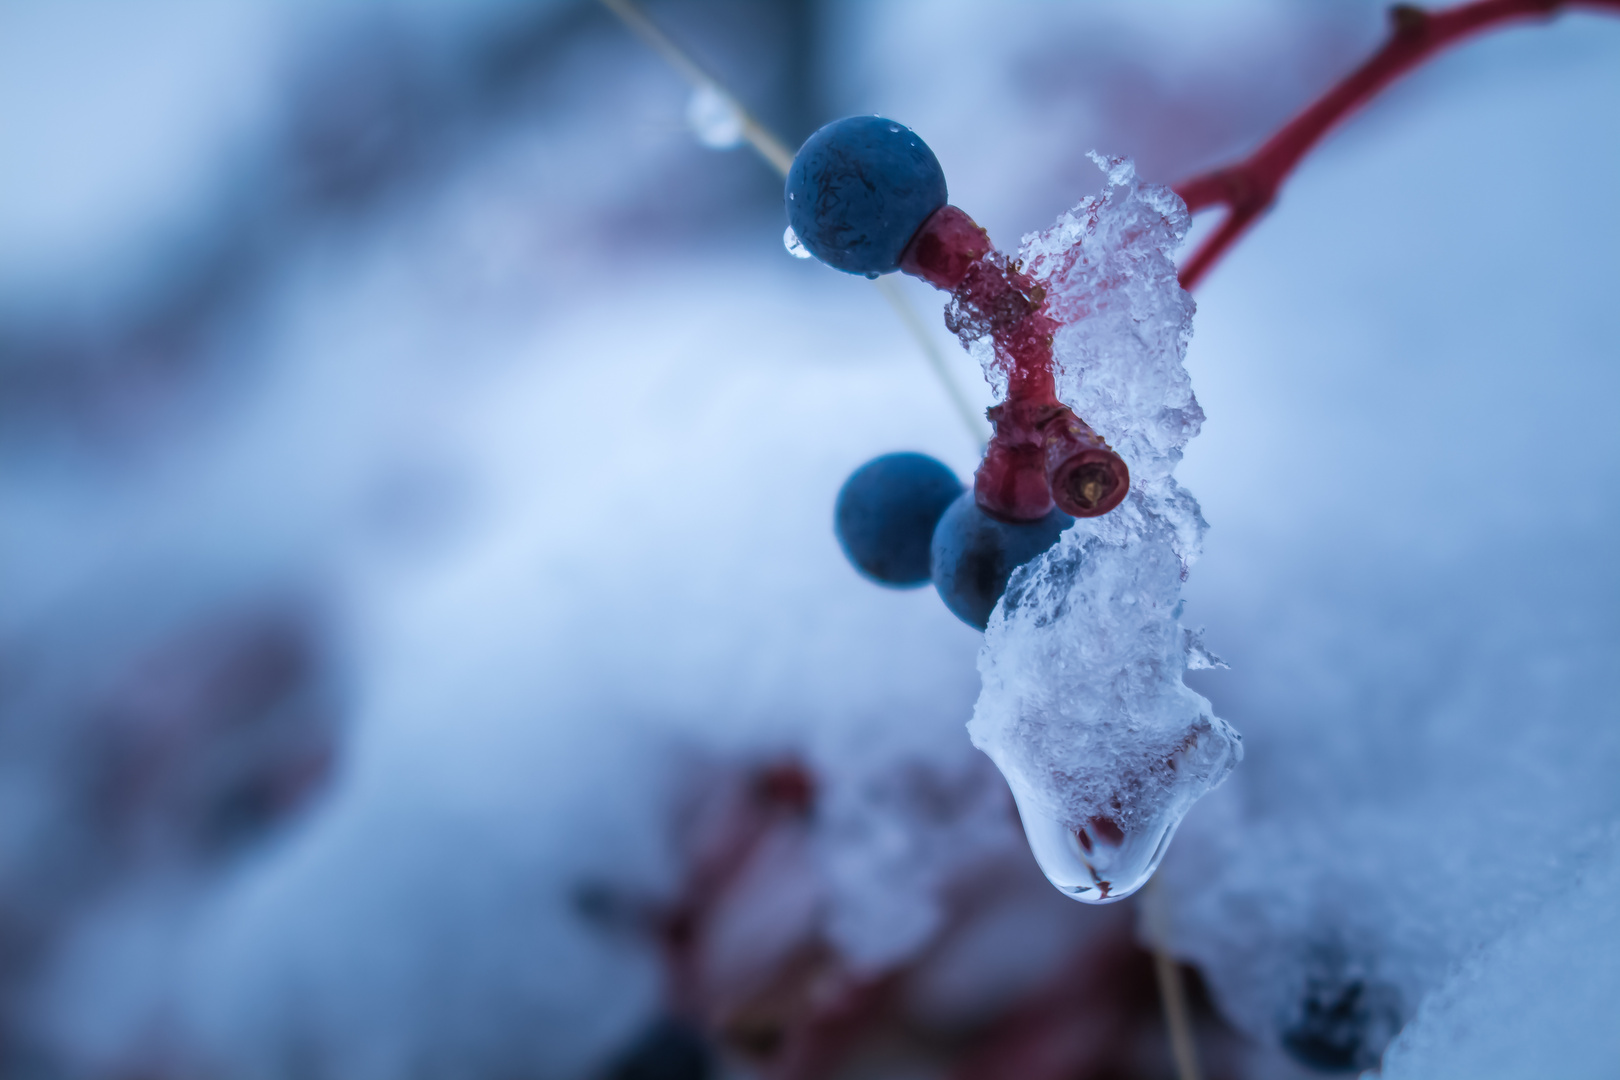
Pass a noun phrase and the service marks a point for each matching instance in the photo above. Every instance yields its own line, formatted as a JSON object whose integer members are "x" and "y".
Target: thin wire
{"x": 780, "y": 158}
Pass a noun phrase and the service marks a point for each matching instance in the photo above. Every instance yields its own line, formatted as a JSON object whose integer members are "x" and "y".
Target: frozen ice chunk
{"x": 1110, "y": 281}
{"x": 1084, "y": 709}
{"x": 1083, "y": 706}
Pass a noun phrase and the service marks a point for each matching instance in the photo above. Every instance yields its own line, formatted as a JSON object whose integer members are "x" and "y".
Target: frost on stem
{"x": 1041, "y": 453}
{"x": 1083, "y": 707}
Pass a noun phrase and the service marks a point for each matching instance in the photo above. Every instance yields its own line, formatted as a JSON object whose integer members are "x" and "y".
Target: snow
{"x": 1537, "y": 1000}
{"x": 1430, "y": 734}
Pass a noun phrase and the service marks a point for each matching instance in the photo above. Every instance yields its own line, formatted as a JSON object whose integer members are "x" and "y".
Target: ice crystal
{"x": 1083, "y": 706}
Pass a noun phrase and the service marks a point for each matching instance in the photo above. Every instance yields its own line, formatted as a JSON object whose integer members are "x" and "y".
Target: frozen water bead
{"x": 859, "y": 189}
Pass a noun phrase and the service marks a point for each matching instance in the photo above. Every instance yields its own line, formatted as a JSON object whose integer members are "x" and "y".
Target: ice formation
{"x": 1083, "y": 706}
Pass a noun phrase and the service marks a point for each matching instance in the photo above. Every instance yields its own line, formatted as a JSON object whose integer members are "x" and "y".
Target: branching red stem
{"x": 1250, "y": 186}
{"x": 1041, "y": 453}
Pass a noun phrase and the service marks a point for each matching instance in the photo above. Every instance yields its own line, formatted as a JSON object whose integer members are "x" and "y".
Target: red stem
{"x": 1250, "y": 186}
{"x": 1041, "y": 453}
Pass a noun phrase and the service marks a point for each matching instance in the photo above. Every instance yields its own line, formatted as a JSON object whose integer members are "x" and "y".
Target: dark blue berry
{"x": 886, "y": 513}
{"x": 858, "y": 191}
{"x": 974, "y": 555}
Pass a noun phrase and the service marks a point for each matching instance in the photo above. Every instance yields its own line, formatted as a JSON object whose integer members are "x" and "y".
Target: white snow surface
{"x": 1539, "y": 1001}
{"x": 1083, "y": 706}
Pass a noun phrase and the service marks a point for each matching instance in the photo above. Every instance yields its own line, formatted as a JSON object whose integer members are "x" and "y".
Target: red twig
{"x": 1250, "y": 186}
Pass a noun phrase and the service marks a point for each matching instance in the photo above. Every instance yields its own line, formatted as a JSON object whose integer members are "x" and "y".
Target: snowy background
{"x": 419, "y": 604}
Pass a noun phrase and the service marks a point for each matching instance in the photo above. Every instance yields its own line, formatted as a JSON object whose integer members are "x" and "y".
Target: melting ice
{"x": 1083, "y": 707}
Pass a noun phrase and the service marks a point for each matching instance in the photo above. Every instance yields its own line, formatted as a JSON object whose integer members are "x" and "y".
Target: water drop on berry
{"x": 714, "y": 118}
{"x": 790, "y": 240}
{"x": 1100, "y": 862}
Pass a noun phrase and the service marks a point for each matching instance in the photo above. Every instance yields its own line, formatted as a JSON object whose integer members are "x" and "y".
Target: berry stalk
{"x": 1041, "y": 453}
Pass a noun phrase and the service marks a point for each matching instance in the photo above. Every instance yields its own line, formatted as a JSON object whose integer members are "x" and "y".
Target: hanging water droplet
{"x": 790, "y": 240}
{"x": 1099, "y": 862}
{"x": 714, "y": 118}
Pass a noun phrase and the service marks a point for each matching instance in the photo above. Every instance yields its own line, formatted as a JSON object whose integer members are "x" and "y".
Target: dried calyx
{"x": 1041, "y": 453}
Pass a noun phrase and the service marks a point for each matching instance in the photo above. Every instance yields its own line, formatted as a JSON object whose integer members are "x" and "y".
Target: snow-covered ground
{"x": 410, "y": 430}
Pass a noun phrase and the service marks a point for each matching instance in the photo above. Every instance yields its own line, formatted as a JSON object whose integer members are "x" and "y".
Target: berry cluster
{"x": 865, "y": 195}
{"x": 904, "y": 519}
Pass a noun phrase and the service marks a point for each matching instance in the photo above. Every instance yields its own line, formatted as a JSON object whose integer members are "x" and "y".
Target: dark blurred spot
{"x": 679, "y": 928}
{"x": 1107, "y": 831}
{"x": 609, "y": 907}
{"x": 668, "y": 1050}
{"x": 1342, "y": 1023}
{"x": 788, "y": 785}
{"x": 359, "y": 117}
{"x": 1408, "y": 20}
{"x": 756, "y": 1038}
{"x": 217, "y": 737}
{"x": 525, "y": 44}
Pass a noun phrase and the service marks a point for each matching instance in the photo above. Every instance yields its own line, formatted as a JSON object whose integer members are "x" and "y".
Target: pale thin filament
{"x": 1172, "y": 991}
{"x": 780, "y": 158}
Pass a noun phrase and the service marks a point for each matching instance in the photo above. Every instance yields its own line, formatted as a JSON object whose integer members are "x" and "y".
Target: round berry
{"x": 886, "y": 513}
{"x": 858, "y": 191}
{"x": 974, "y": 555}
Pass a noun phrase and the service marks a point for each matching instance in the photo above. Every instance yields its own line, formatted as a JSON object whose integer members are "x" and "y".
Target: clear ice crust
{"x": 1083, "y": 707}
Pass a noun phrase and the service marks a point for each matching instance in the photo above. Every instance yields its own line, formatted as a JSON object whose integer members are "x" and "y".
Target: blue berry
{"x": 886, "y": 513}
{"x": 974, "y": 555}
{"x": 858, "y": 191}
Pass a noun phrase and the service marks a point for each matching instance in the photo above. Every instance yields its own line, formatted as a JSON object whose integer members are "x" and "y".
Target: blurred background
{"x": 424, "y": 651}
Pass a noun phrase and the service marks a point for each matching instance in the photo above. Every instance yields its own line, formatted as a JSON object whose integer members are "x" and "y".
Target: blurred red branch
{"x": 1249, "y": 187}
